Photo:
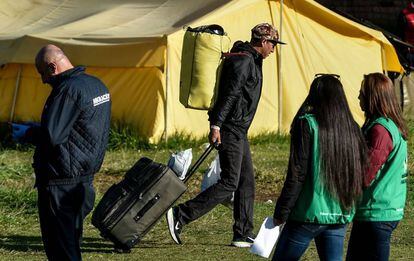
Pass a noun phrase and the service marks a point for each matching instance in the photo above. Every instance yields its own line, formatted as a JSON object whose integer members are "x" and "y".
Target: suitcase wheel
{"x": 121, "y": 250}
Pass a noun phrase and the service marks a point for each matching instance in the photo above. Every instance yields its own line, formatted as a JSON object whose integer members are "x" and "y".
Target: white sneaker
{"x": 242, "y": 242}
{"x": 174, "y": 226}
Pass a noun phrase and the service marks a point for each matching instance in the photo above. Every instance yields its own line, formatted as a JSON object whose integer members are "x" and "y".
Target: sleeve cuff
{"x": 215, "y": 127}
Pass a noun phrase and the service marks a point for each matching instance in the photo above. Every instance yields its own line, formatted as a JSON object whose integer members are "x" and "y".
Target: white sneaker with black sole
{"x": 174, "y": 226}
{"x": 242, "y": 242}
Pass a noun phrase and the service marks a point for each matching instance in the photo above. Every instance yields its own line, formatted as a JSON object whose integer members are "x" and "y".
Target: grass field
{"x": 206, "y": 239}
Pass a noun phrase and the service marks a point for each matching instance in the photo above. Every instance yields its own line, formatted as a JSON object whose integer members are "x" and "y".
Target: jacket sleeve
{"x": 62, "y": 114}
{"x": 300, "y": 147}
{"x": 233, "y": 77}
{"x": 380, "y": 146}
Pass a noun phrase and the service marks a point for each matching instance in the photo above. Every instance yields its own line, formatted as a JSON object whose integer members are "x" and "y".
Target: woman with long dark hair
{"x": 324, "y": 177}
{"x": 383, "y": 200}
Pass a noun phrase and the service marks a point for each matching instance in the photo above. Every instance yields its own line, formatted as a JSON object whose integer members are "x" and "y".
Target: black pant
{"x": 62, "y": 209}
{"x": 236, "y": 176}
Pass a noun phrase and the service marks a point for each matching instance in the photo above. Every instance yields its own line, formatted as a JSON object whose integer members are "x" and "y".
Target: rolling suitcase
{"x": 129, "y": 209}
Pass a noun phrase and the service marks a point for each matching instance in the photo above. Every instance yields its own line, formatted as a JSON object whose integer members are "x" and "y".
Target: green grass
{"x": 126, "y": 138}
{"x": 206, "y": 239}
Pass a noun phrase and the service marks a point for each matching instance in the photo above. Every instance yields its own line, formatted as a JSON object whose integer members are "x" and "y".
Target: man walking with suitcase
{"x": 230, "y": 118}
{"x": 70, "y": 146}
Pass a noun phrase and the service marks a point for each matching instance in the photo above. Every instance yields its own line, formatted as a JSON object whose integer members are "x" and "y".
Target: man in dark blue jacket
{"x": 230, "y": 118}
{"x": 70, "y": 146}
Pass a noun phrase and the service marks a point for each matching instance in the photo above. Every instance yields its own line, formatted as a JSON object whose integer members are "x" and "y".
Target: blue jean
{"x": 370, "y": 240}
{"x": 296, "y": 236}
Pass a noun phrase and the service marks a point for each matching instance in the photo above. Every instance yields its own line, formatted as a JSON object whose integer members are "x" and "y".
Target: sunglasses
{"x": 327, "y": 74}
{"x": 272, "y": 42}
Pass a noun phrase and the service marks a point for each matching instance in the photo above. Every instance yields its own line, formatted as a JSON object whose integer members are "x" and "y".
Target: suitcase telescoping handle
{"x": 197, "y": 164}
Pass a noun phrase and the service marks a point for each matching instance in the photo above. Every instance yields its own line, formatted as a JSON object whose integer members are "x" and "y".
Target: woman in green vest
{"x": 324, "y": 177}
{"x": 383, "y": 200}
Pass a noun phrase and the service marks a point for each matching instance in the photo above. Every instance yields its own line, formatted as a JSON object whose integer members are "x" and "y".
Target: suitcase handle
{"x": 149, "y": 205}
{"x": 197, "y": 164}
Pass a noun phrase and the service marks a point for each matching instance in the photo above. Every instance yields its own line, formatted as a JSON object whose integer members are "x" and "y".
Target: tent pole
{"x": 384, "y": 60}
{"x": 166, "y": 90}
{"x": 279, "y": 73}
{"x": 16, "y": 91}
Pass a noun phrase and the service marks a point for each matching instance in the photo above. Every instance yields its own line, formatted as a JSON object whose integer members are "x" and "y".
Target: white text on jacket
{"x": 101, "y": 99}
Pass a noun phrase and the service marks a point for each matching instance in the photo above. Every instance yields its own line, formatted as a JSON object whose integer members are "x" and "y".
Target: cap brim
{"x": 276, "y": 42}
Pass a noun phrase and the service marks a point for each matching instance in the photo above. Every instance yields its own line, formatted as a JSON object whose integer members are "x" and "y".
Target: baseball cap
{"x": 266, "y": 31}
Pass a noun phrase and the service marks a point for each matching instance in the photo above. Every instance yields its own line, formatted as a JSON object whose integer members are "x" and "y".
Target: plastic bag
{"x": 179, "y": 162}
{"x": 211, "y": 176}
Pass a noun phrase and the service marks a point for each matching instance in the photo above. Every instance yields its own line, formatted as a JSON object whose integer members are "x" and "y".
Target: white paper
{"x": 266, "y": 238}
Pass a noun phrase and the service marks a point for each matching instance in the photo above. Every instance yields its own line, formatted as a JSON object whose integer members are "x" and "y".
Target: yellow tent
{"x": 135, "y": 48}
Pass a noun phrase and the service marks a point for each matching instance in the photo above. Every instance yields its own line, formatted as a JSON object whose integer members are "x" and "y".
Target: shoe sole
{"x": 170, "y": 222}
{"x": 241, "y": 244}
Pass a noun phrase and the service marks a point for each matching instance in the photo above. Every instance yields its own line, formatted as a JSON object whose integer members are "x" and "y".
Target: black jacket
{"x": 298, "y": 168}
{"x": 239, "y": 90}
{"x": 73, "y": 134}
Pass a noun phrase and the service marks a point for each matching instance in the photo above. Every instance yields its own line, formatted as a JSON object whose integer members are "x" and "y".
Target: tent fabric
{"x": 146, "y": 53}
{"x": 135, "y": 48}
{"x": 100, "y": 19}
{"x": 92, "y": 26}
{"x": 318, "y": 41}
{"x": 137, "y": 95}
{"x": 31, "y": 94}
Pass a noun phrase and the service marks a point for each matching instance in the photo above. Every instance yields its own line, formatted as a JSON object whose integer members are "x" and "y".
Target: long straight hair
{"x": 342, "y": 148}
{"x": 379, "y": 100}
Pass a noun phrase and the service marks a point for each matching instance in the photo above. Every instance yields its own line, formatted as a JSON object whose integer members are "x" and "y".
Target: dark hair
{"x": 379, "y": 100}
{"x": 342, "y": 147}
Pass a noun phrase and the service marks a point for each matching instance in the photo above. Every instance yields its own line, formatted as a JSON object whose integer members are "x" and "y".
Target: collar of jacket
{"x": 247, "y": 47}
{"x": 56, "y": 80}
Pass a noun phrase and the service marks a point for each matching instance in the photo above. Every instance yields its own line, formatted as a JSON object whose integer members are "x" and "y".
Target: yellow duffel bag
{"x": 201, "y": 56}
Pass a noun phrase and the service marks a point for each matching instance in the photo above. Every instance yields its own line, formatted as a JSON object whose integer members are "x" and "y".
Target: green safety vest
{"x": 315, "y": 204}
{"x": 384, "y": 199}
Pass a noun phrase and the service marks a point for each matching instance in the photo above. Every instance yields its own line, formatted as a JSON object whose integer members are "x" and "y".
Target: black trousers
{"x": 62, "y": 209}
{"x": 236, "y": 176}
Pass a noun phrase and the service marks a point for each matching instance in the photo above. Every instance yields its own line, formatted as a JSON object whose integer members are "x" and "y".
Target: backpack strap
{"x": 227, "y": 55}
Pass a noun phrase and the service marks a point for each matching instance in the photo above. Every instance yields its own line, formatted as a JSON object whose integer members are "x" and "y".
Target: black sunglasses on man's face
{"x": 272, "y": 42}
